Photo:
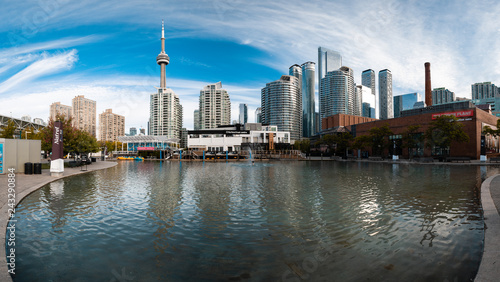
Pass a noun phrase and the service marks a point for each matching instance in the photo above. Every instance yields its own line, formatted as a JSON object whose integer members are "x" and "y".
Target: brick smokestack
{"x": 428, "y": 89}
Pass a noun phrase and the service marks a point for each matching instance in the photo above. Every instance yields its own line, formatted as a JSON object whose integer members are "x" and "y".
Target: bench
{"x": 375, "y": 158}
{"x": 458, "y": 159}
{"x": 495, "y": 160}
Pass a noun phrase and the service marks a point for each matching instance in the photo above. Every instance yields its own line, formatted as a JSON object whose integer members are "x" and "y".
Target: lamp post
{"x": 27, "y": 133}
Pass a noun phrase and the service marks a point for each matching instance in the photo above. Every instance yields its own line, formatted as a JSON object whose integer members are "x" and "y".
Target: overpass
{"x": 20, "y": 124}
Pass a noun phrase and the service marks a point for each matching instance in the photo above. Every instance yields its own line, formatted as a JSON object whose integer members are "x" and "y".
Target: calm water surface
{"x": 283, "y": 221}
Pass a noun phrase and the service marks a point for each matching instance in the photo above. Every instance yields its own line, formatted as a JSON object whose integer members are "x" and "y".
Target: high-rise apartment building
{"x": 308, "y": 104}
{"x": 165, "y": 110}
{"x": 337, "y": 93}
{"x": 442, "y": 96}
{"x": 196, "y": 120}
{"x": 215, "y": 106}
{"x": 258, "y": 115}
{"x": 243, "y": 116}
{"x": 406, "y": 102}
{"x": 84, "y": 114}
{"x": 328, "y": 60}
{"x": 385, "y": 94}
{"x": 367, "y": 101}
{"x": 58, "y": 108}
{"x": 484, "y": 90}
{"x": 111, "y": 126}
{"x": 282, "y": 105}
{"x": 132, "y": 131}
{"x": 368, "y": 80}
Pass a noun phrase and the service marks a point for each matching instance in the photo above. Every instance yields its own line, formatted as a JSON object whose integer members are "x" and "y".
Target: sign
{"x": 145, "y": 148}
{"x": 1, "y": 158}
{"x": 57, "y": 141}
{"x": 459, "y": 114}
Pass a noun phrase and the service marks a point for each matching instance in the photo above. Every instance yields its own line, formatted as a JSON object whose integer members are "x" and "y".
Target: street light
{"x": 27, "y": 134}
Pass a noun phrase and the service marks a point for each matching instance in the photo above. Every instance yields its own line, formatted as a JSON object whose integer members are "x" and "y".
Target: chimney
{"x": 428, "y": 89}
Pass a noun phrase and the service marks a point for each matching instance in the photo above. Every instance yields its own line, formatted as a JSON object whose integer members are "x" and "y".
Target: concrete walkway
{"x": 489, "y": 270}
{"x": 25, "y": 184}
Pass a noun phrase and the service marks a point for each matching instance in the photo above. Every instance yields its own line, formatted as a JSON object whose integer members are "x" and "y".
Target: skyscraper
{"x": 258, "y": 115}
{"x": 385, "y": 94}
{"x": 367, "y": 101}
{"x": 282, "y": 105}
{"x": 132, "y": 131}
{"x": 84, "y": 114}
{"x": 165, "y": 110}
{"x": 368, "y": 80}
{"x": 196, "y": 120}
{"x": 483, "y": 90}
{"x": 337, "y": 93}
{"x": 308, "y": 104}
{"x": 406, "y": 102}
{"x": 111, "y": 126}
{"x": 296, "y": 70}
{"x": 215, "y": 106}
{"x": 442, "y": 96}
{"x": 243, "y": 116}
{"x": 328, "y": 60}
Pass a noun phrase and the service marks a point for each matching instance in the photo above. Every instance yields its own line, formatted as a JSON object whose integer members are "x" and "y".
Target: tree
{"x": 85, "y": 143}
{"x": 361, "y": 142}
{"x": 328, "y": 140}
{"x": 443, "y": 131}
{"x": 303, "y": 145}
{"x": 9, "y": 130}
{"x": 379, "y": 138}
{"x": 494, "y": 132}
{"x": 30, "y": 133}
{"x": 69, "y": 134}
{"x": 412, "y": 139}
{"x": 342, "y": 141}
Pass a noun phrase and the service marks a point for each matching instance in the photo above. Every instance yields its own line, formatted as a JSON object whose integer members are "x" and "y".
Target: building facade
{"x": 386, "y": 110}
{"x": 111, "y": 126}
{"x": 258, "y": 115}
{"x": 442, "y": 96}
{"x": 243, "y": 116}
{"x": 196, "y": 120}
{"x": 132, "y": 131}
{"x": 484, "y": 90}
{"x": 58, "y": 108}
{"x": 367, "y": 101}
{"x": 308, "y": 103}
{"x": 406, "y": 102}
{"x": 337, "y": 93}
{"x": 84, "y": 114}
{"x": 215, "y": 106}
{"x": 328, "y": 60}
{"x": 282, "y": 105}
{"x": 165, "y": 110}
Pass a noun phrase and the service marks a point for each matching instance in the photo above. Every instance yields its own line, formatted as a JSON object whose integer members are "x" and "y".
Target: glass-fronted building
{"x": 442, "y": 96}
{"x": 484, "y": 90}
{"x": 308, "y": 103}
{"x": 337, "y": 93}
{"x": 367, "y": 101}
{"x": 243, "y": 116}
{"x": 405, "y": 102}
{"x": 282, "y": 105}
{"x": 328, "y": 60}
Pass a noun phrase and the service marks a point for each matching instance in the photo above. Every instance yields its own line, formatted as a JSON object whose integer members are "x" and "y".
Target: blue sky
{"x": 54, "y": 50}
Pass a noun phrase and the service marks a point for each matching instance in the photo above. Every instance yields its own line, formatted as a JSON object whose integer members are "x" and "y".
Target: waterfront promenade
{"x": 25, "y": 184}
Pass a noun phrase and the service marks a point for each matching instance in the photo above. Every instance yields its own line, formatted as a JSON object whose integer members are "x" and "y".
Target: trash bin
{"x": 37, "y": 168}
{"x": 28, "y": 168}
{"x": 94, "y": 159}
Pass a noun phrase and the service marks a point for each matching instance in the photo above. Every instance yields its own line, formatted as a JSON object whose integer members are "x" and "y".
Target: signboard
{"x": 57, "y": 141}
{"x": 459, "y": 114}
{"x": 145, "y": 148}
{"x": 1, "y": 158}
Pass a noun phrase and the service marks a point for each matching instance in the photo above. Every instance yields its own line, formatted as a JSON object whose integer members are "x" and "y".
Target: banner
{"x": 57, "y": 141}
{"x": 459, "y": 114}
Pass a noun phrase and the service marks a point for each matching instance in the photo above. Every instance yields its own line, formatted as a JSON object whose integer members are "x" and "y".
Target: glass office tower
{"x": 405, "y": 102}
{"x": 308, "y": 104}
{"x": 338, "y": 92}
{"x": 385, "y": 94}
{"x": 328, "y": 60}
{"x": 243, "y": 116}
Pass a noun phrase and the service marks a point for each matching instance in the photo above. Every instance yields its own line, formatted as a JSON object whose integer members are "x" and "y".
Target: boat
{"x": 139, "y": 159}
{"x": 125, "y": 158}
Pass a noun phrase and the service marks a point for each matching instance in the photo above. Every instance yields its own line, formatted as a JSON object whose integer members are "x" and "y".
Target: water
{"x": 283, "y": 221}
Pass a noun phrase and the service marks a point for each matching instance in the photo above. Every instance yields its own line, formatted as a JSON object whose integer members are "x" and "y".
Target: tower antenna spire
{"x": 162, "y": 30}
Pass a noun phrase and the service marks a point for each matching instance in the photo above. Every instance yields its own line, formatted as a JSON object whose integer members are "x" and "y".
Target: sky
{"x": 54, "y": 50}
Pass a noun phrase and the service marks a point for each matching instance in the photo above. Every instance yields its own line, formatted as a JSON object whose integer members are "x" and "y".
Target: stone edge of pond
{"x": 489, "y": 269}
{"x": 25, "y": 185}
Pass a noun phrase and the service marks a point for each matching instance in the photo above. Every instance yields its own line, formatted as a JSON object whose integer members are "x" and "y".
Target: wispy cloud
{"x": 49, "y": 64}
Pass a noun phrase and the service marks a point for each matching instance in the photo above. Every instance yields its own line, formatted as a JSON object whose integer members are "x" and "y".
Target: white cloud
{"x": 45, "y": 66}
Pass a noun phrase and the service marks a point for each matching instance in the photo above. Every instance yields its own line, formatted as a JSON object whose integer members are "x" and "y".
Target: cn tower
{"x": 163, "y": 58}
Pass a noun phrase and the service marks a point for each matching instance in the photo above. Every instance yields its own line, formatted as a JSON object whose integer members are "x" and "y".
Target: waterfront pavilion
{"x": 133, "y": 144}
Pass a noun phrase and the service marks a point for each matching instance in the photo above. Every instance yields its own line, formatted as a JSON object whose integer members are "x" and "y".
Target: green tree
{"x": 443, "y": 131}
{"x": 329, "y": 141}
{"x": 412, "y": 139}
{"x": 379, "y": 137}
{"x": 489, "y": 131}
{"x": 69, "y": 134}
{"x": 30, "y": 133}
{"x": 9, "y": 130}
{"x": 84, "y": 143}
{"x": 303, "y": 145}
{"x": 361, "y": 142}
{"x": 343, "y": 141}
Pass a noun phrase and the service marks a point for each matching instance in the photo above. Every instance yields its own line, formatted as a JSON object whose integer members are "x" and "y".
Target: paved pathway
{"x": 489, "y": 270}
{"x": 25, "y": 184}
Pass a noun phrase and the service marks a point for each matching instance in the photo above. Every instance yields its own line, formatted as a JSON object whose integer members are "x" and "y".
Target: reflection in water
{"x": 271, "y": 221}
